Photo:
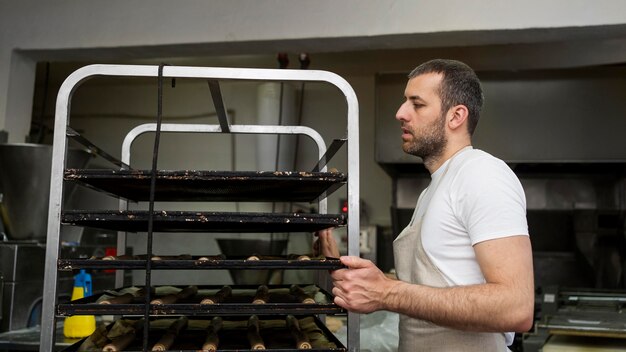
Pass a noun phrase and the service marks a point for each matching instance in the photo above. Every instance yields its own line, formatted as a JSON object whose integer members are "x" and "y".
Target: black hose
{"x": 155, "y": 157}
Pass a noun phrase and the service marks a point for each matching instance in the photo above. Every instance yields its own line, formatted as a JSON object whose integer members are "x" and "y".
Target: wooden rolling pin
{"x": 262, "y": 295}
{"x": 212, "y": 341}
{"x": 300, "y": 295}
{"x": 167, "y": 340}
{"x": 302, "y": 341}
{"x": 254, "y": 337}
{"x": 219, "y": 297}
{"x": 121, "y": 342}
{"x": 174, "y": 297}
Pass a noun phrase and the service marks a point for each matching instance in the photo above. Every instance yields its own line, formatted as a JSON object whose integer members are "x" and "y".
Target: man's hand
{"x": 361, "y": 288}
{"x": 325, "y": 244}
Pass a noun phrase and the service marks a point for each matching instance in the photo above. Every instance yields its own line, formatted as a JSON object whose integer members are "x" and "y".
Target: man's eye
{"x": 416, "y": 106}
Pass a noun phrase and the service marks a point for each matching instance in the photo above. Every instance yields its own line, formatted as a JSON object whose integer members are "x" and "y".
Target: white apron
{"x": 413, "y": 266}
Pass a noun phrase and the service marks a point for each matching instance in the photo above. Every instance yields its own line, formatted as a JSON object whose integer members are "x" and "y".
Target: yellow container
{"x": 79, "y": 326}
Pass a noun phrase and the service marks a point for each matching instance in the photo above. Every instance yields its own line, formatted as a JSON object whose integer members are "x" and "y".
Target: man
{"x": 464, "y": 263}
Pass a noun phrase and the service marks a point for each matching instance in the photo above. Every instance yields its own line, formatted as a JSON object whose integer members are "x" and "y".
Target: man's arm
{"x": 504, "y": 303}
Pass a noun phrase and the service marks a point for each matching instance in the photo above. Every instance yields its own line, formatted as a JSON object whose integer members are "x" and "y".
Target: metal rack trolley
{"x": 62, "y": 131}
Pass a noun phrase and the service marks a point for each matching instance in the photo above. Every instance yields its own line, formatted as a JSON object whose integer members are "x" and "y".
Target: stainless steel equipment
{"x": 25, "y": 185}
{"x": 580, "y": 312}
{"x": 20, "y": 291}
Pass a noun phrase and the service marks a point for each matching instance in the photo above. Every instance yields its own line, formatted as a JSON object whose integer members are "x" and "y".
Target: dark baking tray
{"x": 277, "y": 339}
{"x": 194, "y": 185}
{"x": 194, "y": 263}
{"x": 240, "y": 303}
{"x": 190, "y": 221}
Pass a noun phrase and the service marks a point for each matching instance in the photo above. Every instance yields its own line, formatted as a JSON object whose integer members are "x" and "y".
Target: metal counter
{"x": 29, "y": 339}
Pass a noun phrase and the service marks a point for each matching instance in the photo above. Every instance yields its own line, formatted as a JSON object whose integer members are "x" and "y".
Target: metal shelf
{"x": 197, "y": 263}
{"x": 188, "y": 221}
{"x": 239, "y": 303}
{"x": 277, "y": 338}
{"x": 194, "y": 185}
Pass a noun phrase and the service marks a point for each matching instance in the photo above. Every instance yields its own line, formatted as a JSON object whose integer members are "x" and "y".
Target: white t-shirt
{"x": 479, "y": 198}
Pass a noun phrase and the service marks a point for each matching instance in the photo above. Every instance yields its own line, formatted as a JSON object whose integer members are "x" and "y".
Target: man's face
{"x": 421, "y": 118}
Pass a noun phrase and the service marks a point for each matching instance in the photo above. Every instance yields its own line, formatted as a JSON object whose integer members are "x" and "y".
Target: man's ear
{"x": 457, "y": 116}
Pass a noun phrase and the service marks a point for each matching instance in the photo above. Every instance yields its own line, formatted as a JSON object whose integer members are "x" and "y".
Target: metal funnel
{"x": 25, "y": 185}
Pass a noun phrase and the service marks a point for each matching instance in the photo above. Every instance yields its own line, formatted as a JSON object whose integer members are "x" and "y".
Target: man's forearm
{"x": 484, "y": 307}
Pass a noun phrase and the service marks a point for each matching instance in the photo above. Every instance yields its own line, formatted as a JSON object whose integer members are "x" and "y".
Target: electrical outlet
{"x": 364, "y": 241}
{"x": 367, "y": 240}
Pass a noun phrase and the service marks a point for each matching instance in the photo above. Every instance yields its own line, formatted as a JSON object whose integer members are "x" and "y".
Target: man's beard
{"x": 428, "y": 142}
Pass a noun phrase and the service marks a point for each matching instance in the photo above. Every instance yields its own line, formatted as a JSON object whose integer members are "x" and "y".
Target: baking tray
{"x": 588, "y": 322}
{"x": 190, "y": 221}
{"x": 239, "y": 303}
{"x": 197, "y": 262}
{"x": 277, "y": 338}
{"x": 194, "y": 185}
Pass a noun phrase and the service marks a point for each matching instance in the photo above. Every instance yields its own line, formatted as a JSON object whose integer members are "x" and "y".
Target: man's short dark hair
{"x": 459, "y": 86}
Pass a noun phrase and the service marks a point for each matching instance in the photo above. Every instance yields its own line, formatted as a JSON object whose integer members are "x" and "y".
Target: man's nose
{"x": 401, "y": 113}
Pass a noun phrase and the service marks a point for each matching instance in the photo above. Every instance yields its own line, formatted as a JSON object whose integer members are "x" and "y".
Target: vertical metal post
{"x": 59, "y": 149}
{"x": 354, "y": 329}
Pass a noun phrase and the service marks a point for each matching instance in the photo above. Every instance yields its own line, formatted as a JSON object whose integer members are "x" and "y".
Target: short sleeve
{"x": 488, "y": 200}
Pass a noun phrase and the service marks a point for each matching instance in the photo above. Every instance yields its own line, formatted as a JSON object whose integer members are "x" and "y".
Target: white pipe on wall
{"x": 276, "y": 152}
